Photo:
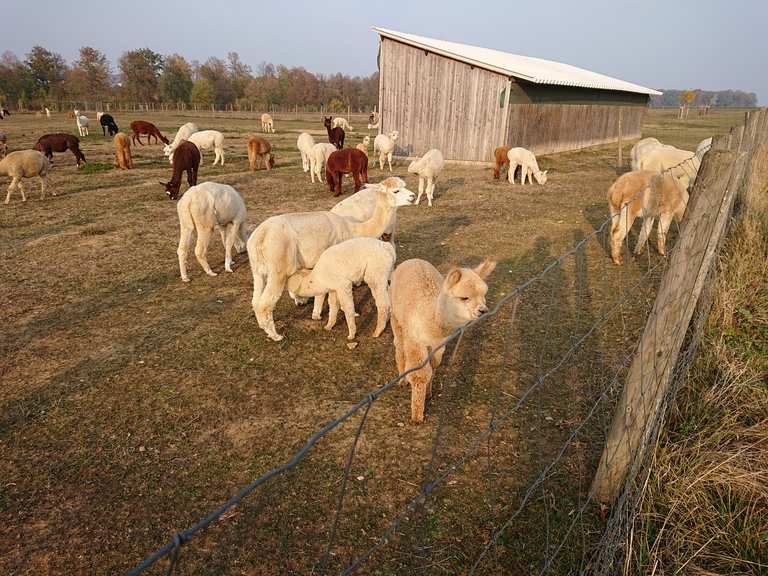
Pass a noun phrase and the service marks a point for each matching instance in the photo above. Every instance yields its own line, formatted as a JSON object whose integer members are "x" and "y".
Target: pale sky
{"x": 707, "y": 44}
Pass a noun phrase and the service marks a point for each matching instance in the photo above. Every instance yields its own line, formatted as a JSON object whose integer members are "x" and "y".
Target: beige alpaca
{"x": 384, "y": 144}
{"x": 682, "y": 164}
{"x": 204, "y": 207}
{"x": 363, "y": 146}
{"x": 267, "y": 124}
{"x": 648, "y": 195}
{"x": 426, "y": 308}
{"x": 25, "y": 164}
{"x": 339, "y": 268}
{"x": 283, "y": 244}
{"x": 318, "y": 156}
{"x": 260, "y": 151}
{"x": 123, "y": 158}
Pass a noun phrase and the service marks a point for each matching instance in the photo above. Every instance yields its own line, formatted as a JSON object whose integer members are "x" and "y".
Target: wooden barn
{"x": 466, "y": 100}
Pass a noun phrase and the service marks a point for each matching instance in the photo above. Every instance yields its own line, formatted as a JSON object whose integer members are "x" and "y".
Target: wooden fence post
{"x": 621, "y": 159}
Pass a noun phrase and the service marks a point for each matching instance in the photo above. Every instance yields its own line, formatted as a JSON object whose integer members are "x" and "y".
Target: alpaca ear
{"x": 484, "y": 270}
{"x": 453, "y": 278}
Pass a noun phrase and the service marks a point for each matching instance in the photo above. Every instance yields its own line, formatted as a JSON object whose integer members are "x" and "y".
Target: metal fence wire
{"x": 507, "y": 482}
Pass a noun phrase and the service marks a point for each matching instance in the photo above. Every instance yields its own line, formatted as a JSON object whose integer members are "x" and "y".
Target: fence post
{"x": 621, "y": 158}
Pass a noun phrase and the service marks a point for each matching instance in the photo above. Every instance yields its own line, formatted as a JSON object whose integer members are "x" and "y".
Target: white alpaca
{"x": 25, "y": 164}
{"x": 339, "y": 122}
{"x": 528, "y": 166}
{"x": 363, "y": 146}
{"x": 47, "y": 113}
{"x": 318, "y": 156}
{"x": 267, "y": 124}
{"x": 341, "y": 267}
{"x": 204, "y": 207}
{"x": 82, "y": 123}
{"x": 428, "y": 167}
{"x": 385, "y": 145}
{"x": 207, "y": 140}
{"x": 640, "y": 149}
{"x": 182, "y": 134}
{"x": 682, "y": 164}
{"x": 284, "y": 244}
{"x": 305, "y": 143}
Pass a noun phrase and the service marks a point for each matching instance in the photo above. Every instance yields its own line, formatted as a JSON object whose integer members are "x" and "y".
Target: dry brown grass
{"x": 133, "y": 403}
{"x": 705, "y": 508}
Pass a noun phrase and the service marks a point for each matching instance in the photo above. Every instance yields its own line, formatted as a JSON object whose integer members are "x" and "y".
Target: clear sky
{"x": 707, "y": 44}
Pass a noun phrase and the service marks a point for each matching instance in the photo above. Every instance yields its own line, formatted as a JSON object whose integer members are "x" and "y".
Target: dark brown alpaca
{"x": 140, "y": 127}
{"x": 335, "y": 135}
{"x": 343, "y": 162}
{"x": 186, "y": 158}
{"x": 60, "y": 142}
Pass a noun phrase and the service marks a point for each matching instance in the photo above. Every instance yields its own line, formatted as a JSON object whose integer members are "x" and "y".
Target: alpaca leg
{"x": 389, "y": 161}
{"x": 645, "y": 231}
{"x": 419, "y": 380}
{"x": 347, "y": 303}
{"x": 430, "y": 190}
{"x": 201, "y": 249}
{"x": 10, "y": 189}
{"x": 421, "y": 191}
{"x": 382, "y": 156}
{"x": 258, "y": 289}
{"x": 381, "y": 298}
{"x": 511, "y": 172}
{"x": 620, "y": 226}
{"x": 42, "y": 187}
{"x": 317, "y": 308}
{"x": 356, "y": 178}
{"x": 267, "y": 302}
{"x": 20, "y": 186}
{"x": 185, "y": 243}
{"x": 333, "y": 310}
{"x": 221, "y": 155}
{"x": 229, "y": 243}
{"x": 661, "y": 232}
{"x": 399, "y": 342}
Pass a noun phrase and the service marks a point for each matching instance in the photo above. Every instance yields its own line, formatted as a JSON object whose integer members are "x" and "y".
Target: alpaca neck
{"x": 376, "y": 225}
{"x": 443, "y": 319}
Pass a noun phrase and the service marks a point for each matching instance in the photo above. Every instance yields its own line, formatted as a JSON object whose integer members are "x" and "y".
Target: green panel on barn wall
{"x": 523, "y": 92}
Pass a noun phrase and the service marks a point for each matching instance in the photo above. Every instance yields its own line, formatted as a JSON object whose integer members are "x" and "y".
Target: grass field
{"x": 133, "y": 404}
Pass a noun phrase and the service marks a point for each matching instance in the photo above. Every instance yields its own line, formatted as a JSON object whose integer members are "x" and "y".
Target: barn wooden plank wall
{"x": 437, "y": 102}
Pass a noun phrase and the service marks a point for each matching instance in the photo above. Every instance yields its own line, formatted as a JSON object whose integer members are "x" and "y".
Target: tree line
{"x": 44, "y": 78}
{"x": 720, "y": 98}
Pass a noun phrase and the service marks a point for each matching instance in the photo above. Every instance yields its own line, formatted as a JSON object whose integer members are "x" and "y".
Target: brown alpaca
{"x": 186, "y": 158}
{"x": 335, "y": 135}
{"x": 260, "y": 150}
{"x": 139, "y": 127}
{"x": 123, "y": 158}
{"x": 426, "y": 308}
{"x": 501, "y": 160}
{"x": 60, "y": 142}
{"x": 349, "y": 160}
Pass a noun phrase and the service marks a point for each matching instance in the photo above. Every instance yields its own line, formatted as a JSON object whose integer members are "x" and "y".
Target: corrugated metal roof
{"x": 534, "y": 70}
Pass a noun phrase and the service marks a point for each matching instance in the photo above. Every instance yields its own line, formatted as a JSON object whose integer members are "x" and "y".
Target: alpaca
{"x": 186, "y": 158}
{"x": 338, "y": 269}
{"x": 283, "y": 244}
{"x": 202, "y": 208}
{"x": 648, "y": 195}
{"x": 346, "y": 161}
{"x": 340, "y": 122}
{"x": 25, "y": 164}
{"x": 82, "y": 124}
{"x": 682, "y": 164}
{"x": 108, "y": 123}
{"x": 4, "y": 112}
{"x": 428, "y": 167}
{"x": 318, "y": 157}
{"x": 139, "y": 127}
{"x": 47, "y": 113}
{"x": 335, "y": 135}
{"x": 385, "y": 145}
{"x": 500, "y": 155}
{"x": 60, "y": 142}
{"x": 363, "y": 146}
{"x": 182, "y": 134}
{"x": 207, "y": 139}
{"x": 267, "y": 124}
{"x": 260, "y": 150}
{"x": 426, "y": 308}
{"x": 305, "y": 143}
{"x": 123, "y": 158}
{"x": 373, "y": 120}
{"x": 639, "y": 150}
{"x": 528, "y": 166}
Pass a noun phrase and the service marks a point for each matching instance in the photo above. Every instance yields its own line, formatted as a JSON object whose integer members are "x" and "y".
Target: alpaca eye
{"x": 464, "y": 299}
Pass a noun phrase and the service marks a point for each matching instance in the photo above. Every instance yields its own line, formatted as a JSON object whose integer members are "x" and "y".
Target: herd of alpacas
{"x": 328, "y": 253}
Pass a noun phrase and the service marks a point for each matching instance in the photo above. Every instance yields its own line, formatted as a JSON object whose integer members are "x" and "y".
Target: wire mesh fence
{"x": 500, "y": 479}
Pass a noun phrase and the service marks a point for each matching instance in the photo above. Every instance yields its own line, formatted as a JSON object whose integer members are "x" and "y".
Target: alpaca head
{"x": 541, "y": 177}
{"x": 394, "y": 134}
{"x": 167, "y": 150}
{"x": 327, "y": 121}
{"x": 297, "y": 284}
{"x": 462, "y": 296}
{"x": 171, "y": 189}
{"x": 397, "y": 193}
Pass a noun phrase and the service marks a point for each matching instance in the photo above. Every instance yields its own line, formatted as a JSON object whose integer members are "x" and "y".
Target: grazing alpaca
{"x": 123, "y": 158}
{"x": 528, "y": 166}
{"x": 305, "y": 143}
{"x": 60, "y": 142}
{"x": 349, "y": 160}
{"x": 363, "y": 146}
{"x": 500, "y": 154}
{"x": 3, "y": 145}
{"x": 260, "y": 150}
{"x": 82, "y": 124}
{"x": 108, "y": 123}
{"x": 182, "y": 134}
{"x": 283, "y": 244}
{"x": 139, "y": 127}
{"x": 318, "y": 156}
{"x": 207, "y": 139}
{"x": 24, "y": 164}
{"x": 202, "y": 208}
{"x": 373, "y": 120}
{"x": 648, "y": 195}
{"x": 385, "y": 145}
{"x": 186, "y": 158}
{"x": 340, "y": 122}
{"x": 426, "y": 308}
{"x": 428, "y": 167}
{"x": 682, "y": 164}
{"x": 340, "y": 267}
{"x": 335, "y": 135}
{"x": 267, "y": 124}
